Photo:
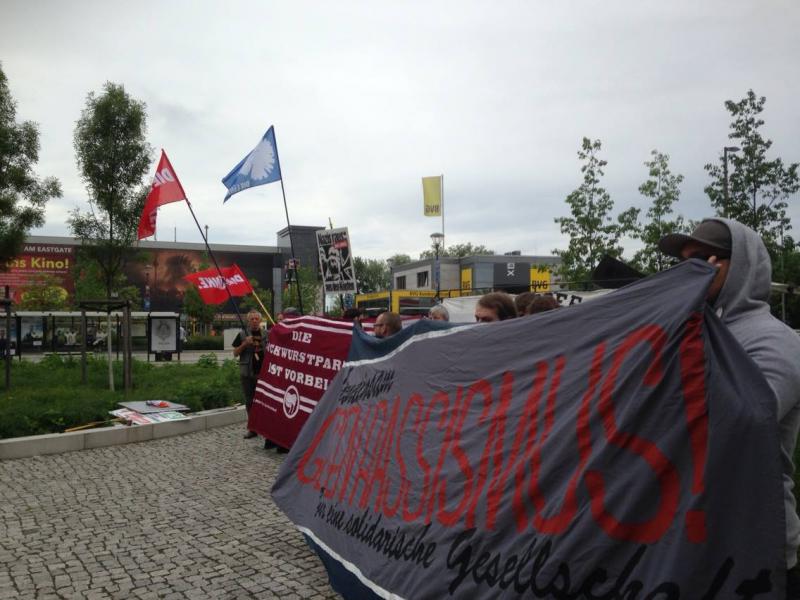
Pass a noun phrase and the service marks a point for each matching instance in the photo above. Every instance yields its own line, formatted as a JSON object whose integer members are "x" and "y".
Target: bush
{"x": 48, "y": 396}
{"x": 207, "y": 360}
{"x": 204, "y": 342}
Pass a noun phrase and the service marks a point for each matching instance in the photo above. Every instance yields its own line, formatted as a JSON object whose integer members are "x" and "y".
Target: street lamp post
{"x": 725, "y": 151}
{"x": 437, "y": 239}
{"x": 390, "y": 263}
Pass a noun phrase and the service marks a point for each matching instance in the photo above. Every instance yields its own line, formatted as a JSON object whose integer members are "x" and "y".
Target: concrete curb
{"x": 58, "y": 443}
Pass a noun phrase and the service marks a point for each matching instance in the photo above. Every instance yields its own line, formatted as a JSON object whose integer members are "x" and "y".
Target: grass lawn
{"x": 48, "y": 396}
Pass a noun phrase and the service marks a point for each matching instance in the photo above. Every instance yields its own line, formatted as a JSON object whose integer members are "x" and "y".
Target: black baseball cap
{"x": 710, "y": 232}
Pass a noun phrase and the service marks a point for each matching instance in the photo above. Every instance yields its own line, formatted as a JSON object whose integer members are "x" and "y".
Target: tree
{"x": 757, "y": 188}
{"x": 399, "y": 259}
{"x": 592, "y": 233}
{"x": 195, "y": 308}
{"x": 248, "y": 302}
{"x": 789, "y": 268}
{"x": 310, "y": 288}
{"x": 372, "y": 275}
{"x": 113, "y": 156}
{"x": 43, "y": 292}
{"x": 662, "y": 188}
{"x": 22, "y": 195}
{"x": 459, "y": 251}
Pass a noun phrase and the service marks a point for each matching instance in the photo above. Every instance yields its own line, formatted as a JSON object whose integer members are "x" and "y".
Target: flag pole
{"x": 289, "y": 227}
{"x": 264, "y": 308}
{"x": 219, "y": 271}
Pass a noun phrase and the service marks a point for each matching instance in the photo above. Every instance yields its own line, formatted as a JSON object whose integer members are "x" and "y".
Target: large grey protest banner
{"x": 623, "y": 448}
{"x": 336, "y": 261}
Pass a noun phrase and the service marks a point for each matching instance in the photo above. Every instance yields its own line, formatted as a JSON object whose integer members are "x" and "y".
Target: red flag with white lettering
{"x": 165, "y": 189}
{"x": 212, "y": 287}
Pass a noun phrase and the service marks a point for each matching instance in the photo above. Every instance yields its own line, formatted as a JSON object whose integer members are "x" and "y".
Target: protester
{"x": 438, "y": 313}
{"x": 249, "y": 347}
{"x": 739, "y": 295}
{"x": 496, "y": 306}
{"x": 387, "y": 324}
{"x": 542, "y": 303}
{"x": 521, "y": 302}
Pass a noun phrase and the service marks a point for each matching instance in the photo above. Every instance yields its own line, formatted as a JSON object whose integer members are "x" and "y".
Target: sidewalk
{"x": 181, "y": 517}
{"x": 188, "y": 357}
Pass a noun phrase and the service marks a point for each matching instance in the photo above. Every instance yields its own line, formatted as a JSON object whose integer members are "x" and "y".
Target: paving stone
{"x": 175, "y": 518}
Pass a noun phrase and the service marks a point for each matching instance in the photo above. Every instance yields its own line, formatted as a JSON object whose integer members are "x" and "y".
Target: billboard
{"x": 160, "y": 277}
{"x": 336, "y": 261}
{"x": 55, "y": 260}
{"x": 156, "y": 272}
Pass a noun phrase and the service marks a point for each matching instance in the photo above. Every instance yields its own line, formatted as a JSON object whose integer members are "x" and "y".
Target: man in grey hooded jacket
{"x": 739, "y": 295}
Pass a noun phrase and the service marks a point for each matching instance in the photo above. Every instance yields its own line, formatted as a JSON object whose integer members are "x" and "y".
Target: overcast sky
{"x": 368, "y": 97}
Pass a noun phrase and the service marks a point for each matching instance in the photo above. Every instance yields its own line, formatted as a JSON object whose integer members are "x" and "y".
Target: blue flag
{"x": 257, "y": 168}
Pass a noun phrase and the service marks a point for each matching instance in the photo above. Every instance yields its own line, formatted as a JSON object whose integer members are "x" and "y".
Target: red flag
{"x": 166, "y": 188}
{"x": 212, "y": 287}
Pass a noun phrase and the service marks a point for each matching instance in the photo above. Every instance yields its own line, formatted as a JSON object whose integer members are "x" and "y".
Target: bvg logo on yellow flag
{"x": 432, "y": 195}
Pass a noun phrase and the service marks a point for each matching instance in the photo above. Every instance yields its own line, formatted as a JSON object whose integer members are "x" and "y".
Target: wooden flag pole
{"x": 264, "y": 308}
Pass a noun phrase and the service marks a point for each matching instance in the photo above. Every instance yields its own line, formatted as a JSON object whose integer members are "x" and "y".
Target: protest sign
{"x": 336, "y": 261}
{"x": 594, "y": 451}
{"x": 302, "y": 357}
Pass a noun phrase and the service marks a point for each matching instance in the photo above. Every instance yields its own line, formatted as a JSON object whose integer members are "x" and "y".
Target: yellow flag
{"x": 432, "y": 195}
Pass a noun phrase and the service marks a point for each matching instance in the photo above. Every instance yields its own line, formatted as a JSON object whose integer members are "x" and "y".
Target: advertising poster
{"x": 163, "y": 336}
{"x": 38, "y": 261}
{"x": 161, "y": 281}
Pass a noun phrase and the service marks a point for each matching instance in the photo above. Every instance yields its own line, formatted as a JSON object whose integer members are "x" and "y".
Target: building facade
{"x": 512, "y": 273}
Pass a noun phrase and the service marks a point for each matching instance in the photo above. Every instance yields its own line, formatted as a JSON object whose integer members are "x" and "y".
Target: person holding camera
{"x": 249, "y": 347}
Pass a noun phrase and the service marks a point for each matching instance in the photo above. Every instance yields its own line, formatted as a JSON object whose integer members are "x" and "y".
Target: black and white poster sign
{"x": 336, "y": 261}
{"x": 163, "y": 334}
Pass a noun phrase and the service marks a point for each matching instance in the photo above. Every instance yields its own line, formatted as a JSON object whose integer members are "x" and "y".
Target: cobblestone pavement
{"x": 182, "y": 517}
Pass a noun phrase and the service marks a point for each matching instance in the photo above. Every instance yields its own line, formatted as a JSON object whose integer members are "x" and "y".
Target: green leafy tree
{"x": 789, "y": 265}
{"x": 372, "y": 275}
{"x": 194, "y": 307}
{"x": 248, "y": 302}
{"x": 113, "y": 157}
{"x": 399, "y": 259}
{"x": 459, "y": 251}
{"x": 758, "y": 188}
{"x": 22, "y": 195}
{"x": 43, "y": 292}
{"x": 592, "y": 231}
{"x": 662, "y": 188}
{"x": 310, "y": 288}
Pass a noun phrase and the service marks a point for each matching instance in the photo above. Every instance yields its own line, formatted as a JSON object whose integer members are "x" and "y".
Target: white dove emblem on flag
{"x": 261, "y": 162}
{"x": 257, "y": 168}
